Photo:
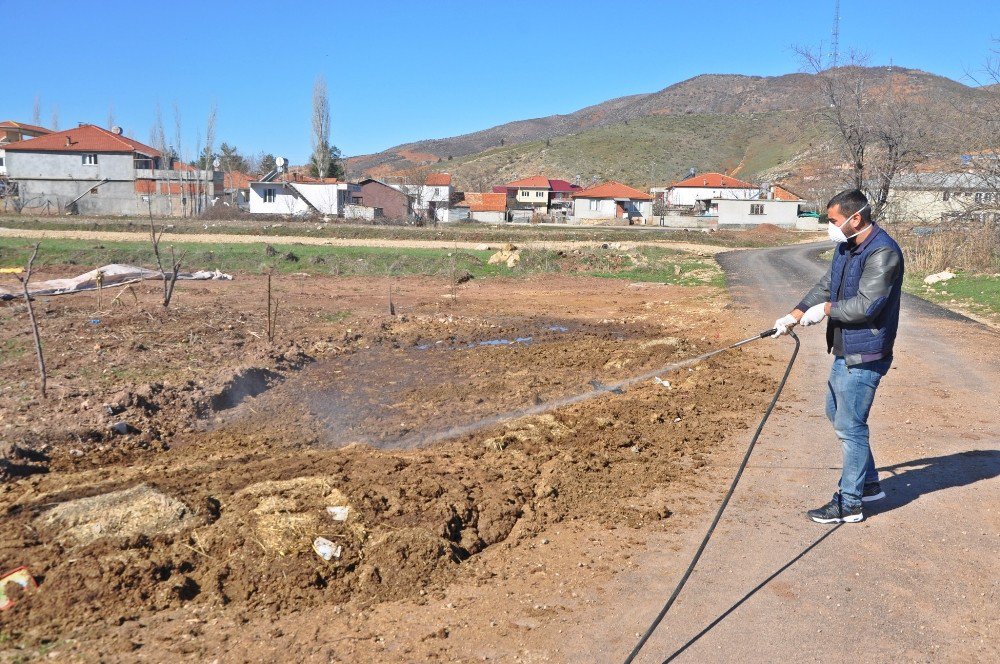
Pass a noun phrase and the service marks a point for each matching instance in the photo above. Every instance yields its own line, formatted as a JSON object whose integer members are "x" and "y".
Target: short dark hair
{"x": 849, "y": 202}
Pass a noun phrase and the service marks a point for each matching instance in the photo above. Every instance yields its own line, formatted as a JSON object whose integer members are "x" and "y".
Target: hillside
{"x": 649, "y": 150}
{"x": 712, "y": 122}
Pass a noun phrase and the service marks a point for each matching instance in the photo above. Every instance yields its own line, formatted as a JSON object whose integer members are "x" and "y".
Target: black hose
{"x": 722, "y": 507}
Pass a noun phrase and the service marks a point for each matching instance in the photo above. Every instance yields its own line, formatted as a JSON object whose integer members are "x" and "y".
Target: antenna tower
{"x": 835, "y": 36}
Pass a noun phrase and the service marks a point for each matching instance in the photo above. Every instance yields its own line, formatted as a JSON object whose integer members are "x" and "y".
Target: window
{"x": 437, "y": 191}
{"x": 979, "y": 197}
{"x": 269, "y": 195}
{"x": 987, "y": 197}
{"x": 1, "y": 161}
{"x": 946, "y": 195}
{"x": 756, "y": 208}
{"x": 593, "y": 204}
{"x": 93, "y": 192}
{"x": 90, "y": 159}
{"x": 539, "y": 194}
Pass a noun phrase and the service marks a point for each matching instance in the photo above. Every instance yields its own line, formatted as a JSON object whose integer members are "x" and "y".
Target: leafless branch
{"x": 34, "y": 323}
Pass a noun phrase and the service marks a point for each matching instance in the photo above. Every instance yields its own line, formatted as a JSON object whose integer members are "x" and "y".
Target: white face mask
{"x": 836, "y": 232}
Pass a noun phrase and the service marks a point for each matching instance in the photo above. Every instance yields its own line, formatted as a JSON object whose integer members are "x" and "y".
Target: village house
{"x": 237, "y": 189}
{"x": 539, "y": 195}
{"x": 431, "y": 199}
{"x": 485, "y": 207}
{"x": 932, "y": 198}
{"x": 394, "y": 203}
{"x": 12, "y": 132}
{"x": 696, "y": 191}
{"x": 91, "y": 170}
{"x": 774, "y": 205}
{"x": 612, "y": 200}
{"x": 303, "y": 195}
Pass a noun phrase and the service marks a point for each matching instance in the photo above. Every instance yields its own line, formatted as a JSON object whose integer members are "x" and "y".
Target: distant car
{"x": 814, "y": 215}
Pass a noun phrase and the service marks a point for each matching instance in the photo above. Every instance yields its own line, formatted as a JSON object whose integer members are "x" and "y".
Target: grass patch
{"x": 643, "y": 264}
{"x": 977, "y": 294}
{"x": 334, "y": 317}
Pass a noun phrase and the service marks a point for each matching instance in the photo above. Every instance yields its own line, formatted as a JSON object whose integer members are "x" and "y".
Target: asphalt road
{"x": 918, "y": 580}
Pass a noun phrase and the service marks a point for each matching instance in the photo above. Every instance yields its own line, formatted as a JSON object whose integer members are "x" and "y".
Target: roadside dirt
{"x": 221, "y": 238}
{"x": 192, "y": 534}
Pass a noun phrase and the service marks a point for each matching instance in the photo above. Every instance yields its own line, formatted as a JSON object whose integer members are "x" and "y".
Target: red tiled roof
{"x": 714, "y": 181}
{"x": 563, "y": 185}
{"x": 11, "y": 124}
{"x": 438, "y": 180}
{"x": 613, "y": 190}
{"x": 501, "y": 189}
{"x": 485, "y": 202}
{"x": 782, "y": 194}
{"x": 535, "y": 181}
{"x": 85, "y": 138}
{"x": 237, "y": 180}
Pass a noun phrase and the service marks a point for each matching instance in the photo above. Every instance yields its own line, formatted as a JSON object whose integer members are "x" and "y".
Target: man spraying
{"x": 860, "y": 296}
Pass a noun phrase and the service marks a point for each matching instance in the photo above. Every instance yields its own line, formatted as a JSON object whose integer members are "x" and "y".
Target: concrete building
{"x": 90, "y": 170}
{"x": 705, "y": 187}
{"x": 431, "y": 199}
{"x": 490, "y": 208}
{"x": 745, "y": 213}
{"x": 932, "y": 198}
{"x": 301, "y": 195}
{"x": 539, "y": 195}
{"x": 612, "y": 200}
{"x": 12, "y": 132}
{"x": 394, "y": 203}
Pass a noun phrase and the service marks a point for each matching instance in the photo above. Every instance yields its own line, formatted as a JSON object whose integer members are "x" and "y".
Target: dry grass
{"x": 972, "y": 248}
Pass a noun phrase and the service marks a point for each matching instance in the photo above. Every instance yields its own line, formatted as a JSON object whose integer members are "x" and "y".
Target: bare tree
{"x": 157, "y": 137}
{"x": 209, "y": 149}
{"x": 321, "y": 126}
{"x": 55, "y": 117}
{"x": 34, "y": 323}
{"x": 175, "y": 262}
{"x": 111, "y": 116}
{"x": 36, "y": 111}
{"x": 879, "y": 132}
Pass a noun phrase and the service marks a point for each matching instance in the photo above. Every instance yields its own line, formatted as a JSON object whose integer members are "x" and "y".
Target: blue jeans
{"x": 849, "y": 397}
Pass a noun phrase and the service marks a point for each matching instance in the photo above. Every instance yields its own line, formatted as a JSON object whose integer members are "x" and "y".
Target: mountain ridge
{"x": 704, "y": 94}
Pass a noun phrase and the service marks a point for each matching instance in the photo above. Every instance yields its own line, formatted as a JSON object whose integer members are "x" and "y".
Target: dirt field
{"x": 192, "y": 534}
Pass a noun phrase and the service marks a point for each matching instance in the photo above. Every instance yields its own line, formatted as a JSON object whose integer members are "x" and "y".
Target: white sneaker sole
{"x": 878, "y": 496}
{"x": 854, "y": 518}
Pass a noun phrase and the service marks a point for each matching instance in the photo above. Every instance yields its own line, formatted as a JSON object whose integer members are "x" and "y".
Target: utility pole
{"x": 835, "y": 37}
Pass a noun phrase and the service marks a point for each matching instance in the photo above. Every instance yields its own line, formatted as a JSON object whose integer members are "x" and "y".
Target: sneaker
{"x": 872, "y": 491}
{"x": 835, "y": 512}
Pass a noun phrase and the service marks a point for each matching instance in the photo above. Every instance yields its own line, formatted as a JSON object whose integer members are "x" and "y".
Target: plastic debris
{"x": 22, "y": 577}
{"x": 660, "y": 381}
{"x": 940, "y": 276}
{"x": 326, "y": 549}
{"x": 338, "y": 512}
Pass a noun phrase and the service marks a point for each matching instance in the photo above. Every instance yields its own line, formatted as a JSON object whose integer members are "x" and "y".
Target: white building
{"x": 930, "y": 198}
{"x": 704, "y": 187}
{"x": 303, "y": 196}
{"x": 612, "y": 200}
{"x": 755, "y": 212}
{"x": 432, "y": 198}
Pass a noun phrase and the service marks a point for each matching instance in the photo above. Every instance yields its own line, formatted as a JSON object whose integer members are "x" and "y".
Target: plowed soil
{"x": 192, "y": 535}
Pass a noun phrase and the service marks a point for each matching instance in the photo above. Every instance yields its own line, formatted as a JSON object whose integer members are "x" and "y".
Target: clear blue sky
{"x": 403, "y": 71}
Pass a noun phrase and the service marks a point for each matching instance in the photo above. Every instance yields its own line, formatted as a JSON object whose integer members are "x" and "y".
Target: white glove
{"x": 813, "y": 315}
{"x": 783, "y": 324}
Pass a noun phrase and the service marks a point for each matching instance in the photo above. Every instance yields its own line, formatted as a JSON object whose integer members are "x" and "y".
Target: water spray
{"x": 600, "y": 389}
